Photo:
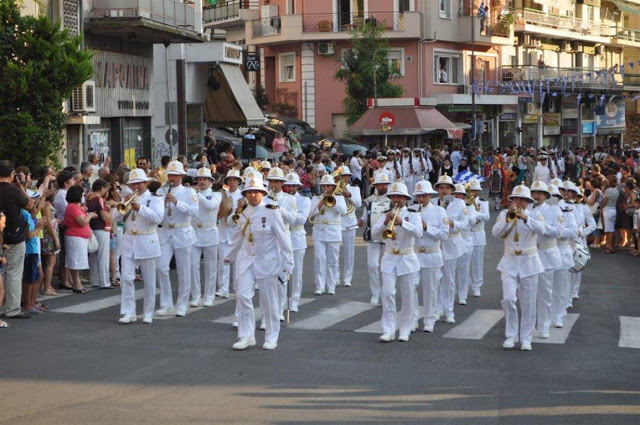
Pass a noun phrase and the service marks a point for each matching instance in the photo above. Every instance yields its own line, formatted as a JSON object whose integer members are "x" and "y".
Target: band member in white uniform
{"x": 206, "y": 246}
{"x": 399, "y": 263}
{"x": 261, "y": 249}
{"x": 548, "y": 252}
{"x": 479, "y": 238}
{"x": 520, "y": 266}
{"x": 139, "y": 247}
{"x": 382, "y": 161}
{"x": 542, "y": 170}
{"x": 464, "y": 263}
{"x": 176, "y": 238}
{"x": 409, "y": 169}
{"x": 394, "y": 165}
{"x": 423, "y": 165}
{"x": 327, "y": 235}
{"x": 226, "y": 228}
{"x": 435, "y": 228}
{"x": 298, "y": 237}
{"x": 453, "y": 247}
{"x": 374, "y": 207}
{"x": 586, "y": 225}
{"x": 349, "y": 226}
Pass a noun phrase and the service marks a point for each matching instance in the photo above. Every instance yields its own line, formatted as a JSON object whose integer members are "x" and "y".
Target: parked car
{"x": 347, "y": 146}
{"x": 261, "y": 151}
{"x": 268, "y": 131}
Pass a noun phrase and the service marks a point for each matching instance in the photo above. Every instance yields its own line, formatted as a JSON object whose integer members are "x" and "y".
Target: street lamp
{"x": 375, "y": 84}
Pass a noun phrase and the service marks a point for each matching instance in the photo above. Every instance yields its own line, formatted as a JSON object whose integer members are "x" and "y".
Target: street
{"x": 76, "y": 365}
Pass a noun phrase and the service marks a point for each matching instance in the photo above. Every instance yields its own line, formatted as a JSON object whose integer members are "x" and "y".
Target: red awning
{"x": 409, "y": 121}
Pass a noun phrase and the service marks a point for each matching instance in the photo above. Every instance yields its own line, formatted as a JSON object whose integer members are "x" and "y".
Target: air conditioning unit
{"x": 326, "y": 49}
{"x": 83, "y": 98}
{"x": 600, "y": 50}
{"x": 276, "y": 22}
{"x": 577, "y": 46}
{"x": 566, "y": 46}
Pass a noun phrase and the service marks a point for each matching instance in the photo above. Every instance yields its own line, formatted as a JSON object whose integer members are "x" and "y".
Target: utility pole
{"x": 474, "y": 127}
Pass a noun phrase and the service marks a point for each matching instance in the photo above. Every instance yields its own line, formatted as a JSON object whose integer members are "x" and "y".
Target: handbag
{"x": 594, "y": 208}
{"x": 16, "y": 235}
{"x": 93, "y": 243}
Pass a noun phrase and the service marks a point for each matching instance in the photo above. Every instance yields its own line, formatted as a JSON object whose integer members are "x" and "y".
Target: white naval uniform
{"x": 429, "y": 251}
{"x": 374, "y": 249}
{"x": 586, "y": 225}
{"x": 177, "y": 238}
{"x": 349, "y": 226}
{"x": 409, "y": 169}
{"x": 206, "y": 246}
{"x": 299, "y": 245}
{"x": 561, "y": 292}
{"x": 520, "y": 266}
{"x": 452, "y": 249}
{"x": 326, "y": 236}
{"x": 550, "y": 257}
{"x": 479, "y": 242}
{"x": 541, "y": 172}
{"x": 226, "y": 228}
{"x": 140, "y": 246}
{"x": 422, "y": 169}
{"x": 387, "y": 171}
{"x": 463, "y": 267}
{"x": 261, "y": 251}
{"x": 399, "y": 263}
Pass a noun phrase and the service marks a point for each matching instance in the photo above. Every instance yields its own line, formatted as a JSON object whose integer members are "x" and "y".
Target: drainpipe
{"x": 420, "y": 54}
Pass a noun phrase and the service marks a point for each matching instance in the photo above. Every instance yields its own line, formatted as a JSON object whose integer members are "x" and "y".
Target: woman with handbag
{"x": 76, "y": 237}
{"x": 593, "y": 201}
{"x": 101, "y": 227}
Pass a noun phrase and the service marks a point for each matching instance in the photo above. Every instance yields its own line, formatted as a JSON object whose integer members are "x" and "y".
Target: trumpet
{"x": 236, "y": 216}
{"x": 390, "y": 231}
{"x": 512, "y": 215}
{"x": 125, "y": 207}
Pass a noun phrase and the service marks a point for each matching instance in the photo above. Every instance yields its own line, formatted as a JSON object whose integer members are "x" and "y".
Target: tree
{"x": 358, "y": 66}
{"x": 40, "y": 64}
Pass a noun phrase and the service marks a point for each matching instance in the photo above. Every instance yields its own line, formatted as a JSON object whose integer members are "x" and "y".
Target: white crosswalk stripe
{"x": 629, "y": 332}
{"x": 330, "y": 316}
{"x": 477, "y": 325}
{"x": 216, "y": 302}
{"x": 257, "y": 311}
{"x": 375, "y": 327}
{"x": 559, "y": 336}
{"x": 96, "y": 305}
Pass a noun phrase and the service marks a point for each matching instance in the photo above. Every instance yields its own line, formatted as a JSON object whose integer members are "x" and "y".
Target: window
{"x": 445, "y": 8}
{"x": 287, "y": 67}
{"x": 395, "y": 57}
{"x": 446, "y": 68}
{"x": 404, "y": 6}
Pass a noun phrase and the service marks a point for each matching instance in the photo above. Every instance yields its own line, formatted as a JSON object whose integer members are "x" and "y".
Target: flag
{"x": 465, "y": 176}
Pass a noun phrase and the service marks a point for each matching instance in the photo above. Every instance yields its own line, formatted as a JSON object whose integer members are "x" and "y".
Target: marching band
{"x": 414, "y": 233}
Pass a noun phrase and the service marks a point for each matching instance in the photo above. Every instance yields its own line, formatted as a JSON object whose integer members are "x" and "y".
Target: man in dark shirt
{"x": 12, "y": 198}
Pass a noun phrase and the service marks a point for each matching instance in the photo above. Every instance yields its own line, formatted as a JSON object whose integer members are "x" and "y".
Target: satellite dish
{"x": 171, "y": 136}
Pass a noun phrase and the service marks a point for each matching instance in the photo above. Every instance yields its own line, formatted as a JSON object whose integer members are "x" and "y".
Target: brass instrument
{"x": 125, "y": 207}
{"x": 226, "y": 205}
{"x": 236, "y": 216}
{"x": 330, "y": 200}
{"x": 257, "y": 165}
{"x": 471, "y": 198}
{"x": 169, "y": 210}
{"x": 390, "y": 231}
{"x": 512, "y": 215}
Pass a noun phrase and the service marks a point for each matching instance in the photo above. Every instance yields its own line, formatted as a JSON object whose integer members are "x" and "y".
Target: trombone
{"x": 124, "y": 207}
{"x": 390, "y": 231}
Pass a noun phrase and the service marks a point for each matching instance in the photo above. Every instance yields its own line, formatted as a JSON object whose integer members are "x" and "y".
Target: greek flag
{"x": 465, "y": 176}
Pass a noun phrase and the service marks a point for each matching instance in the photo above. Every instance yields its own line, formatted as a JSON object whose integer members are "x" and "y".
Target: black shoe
{"x": 21, "y": 315}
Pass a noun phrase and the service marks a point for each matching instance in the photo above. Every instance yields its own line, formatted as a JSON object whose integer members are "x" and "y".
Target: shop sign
{"x": 232, "y": 53}
{"x": 570, "y": 110}
{"x": 530, "y": 119}
{"x": 252, "y": 62}
{"x": 508, "y": 117}
{"x": 508, "y": 112}
{"x": 588, "y": 127}
{"x": 611, "y": 114}
{"x": 568, "y": 130}
{"x": 550, "y": 124}
{"x": 525, "y": 99}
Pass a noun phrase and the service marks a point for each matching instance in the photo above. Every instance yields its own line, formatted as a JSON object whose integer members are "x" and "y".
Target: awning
{"x": 408, "y": 121}
{"x": 229, "y": 102}
{"x": 626, "y": 7}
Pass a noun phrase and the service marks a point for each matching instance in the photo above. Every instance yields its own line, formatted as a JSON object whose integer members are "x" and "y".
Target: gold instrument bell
{"x": 512, "y": 215}
{"x": 390, "y": 231}
{"x": 125, "y": 207}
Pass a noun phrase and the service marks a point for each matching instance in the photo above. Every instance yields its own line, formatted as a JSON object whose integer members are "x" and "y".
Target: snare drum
{"x": 581, "y": 257}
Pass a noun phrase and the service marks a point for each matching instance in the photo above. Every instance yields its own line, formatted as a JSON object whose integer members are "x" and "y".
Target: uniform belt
{"x": 175, "y": 225}
{"x": 466, "y": 234}
{"x": 564, "y": 242}
{"x": 518, "y": 252}
{"x": 548, "y": 244}
{"x": 296, "y": 228}
{"x": 477, "y": 229}
{"x": 141, "y": 232}
{"x": 427, "y": 249}
{"x": 398, "y": 251}
{"x": 454, "y": 234}
{"x": 328, "y": 222}
{"x": 206, "y": 225}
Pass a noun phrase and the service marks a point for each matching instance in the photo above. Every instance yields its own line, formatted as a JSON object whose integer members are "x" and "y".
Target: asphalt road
{"x": 81, "y": 367}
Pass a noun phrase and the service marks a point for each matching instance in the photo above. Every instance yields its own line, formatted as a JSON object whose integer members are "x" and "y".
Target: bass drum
{"x": 581, "y": 256}
{"x": 379, "y": 206}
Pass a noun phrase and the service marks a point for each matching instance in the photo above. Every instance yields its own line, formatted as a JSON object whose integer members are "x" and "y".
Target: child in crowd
{"x": 3, "y": 264}
{"x": 636, "y": 228}
{"x": 31, "y": 274}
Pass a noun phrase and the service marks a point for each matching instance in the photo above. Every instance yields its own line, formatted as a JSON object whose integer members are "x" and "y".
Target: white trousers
{"x": 245, "y": 290}
{"x": 447, "y": 288}
{"x": 560, "y": 294}
{"x": 183, "y": 269}
{"x": 407, "y": 292}
{"x": 545, "y": 287}
{"x": 99, "y": 260}
{"x": 128, "y": 290}
{"x": 224, "y": 270}
{"x": 477, "y": 268}
{"x": 430, "y": 278}
{"x": 326, "y": 260}
{"x": 348, "y": 254}
{"x": 463, "y": 267}
{"x": 374, "y": 257}
{"x": 210, "y": 254}
{"x": 527, "y": 289}
{"x": 576, "y": 280}
{"x": 296, "y": 276}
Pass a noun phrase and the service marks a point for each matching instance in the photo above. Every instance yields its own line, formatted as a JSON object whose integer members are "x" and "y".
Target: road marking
{"x": 257, "y": 311}
{"x": 376, "y": 327}
{"x": 91, "y": 306}
{"x": 330, "y": 316}
{"x": 477, "y": 325}
{"x": 629, "y": 332}
{"x": 216, "y": 302}
{"x": 559, "y": 335}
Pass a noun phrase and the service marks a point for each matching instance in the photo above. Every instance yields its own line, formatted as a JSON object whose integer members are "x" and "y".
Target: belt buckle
{"x": 396, "y": 251}
{"x": 199, "y": 225}
{"x": 423, "y": 250}
{"x": 518, "y": 252}
{"x": 134, "y": 232}
{"x": 171, "y": 226}
{"x": 325, "y": 221}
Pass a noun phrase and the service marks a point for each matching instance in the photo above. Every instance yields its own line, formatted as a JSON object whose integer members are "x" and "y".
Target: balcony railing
{"x": 266, "y": 27}
{"x": 342, "y": 22}
{"x": 563, "y": 23}
{"x": 628, "y": 34}
{"x": 497, "y": 25}
{"x": 562, "y": 76}
{"x": 229, "y": 10}
{"x": 170, "y": 12}
{"x": 632, "y": 79}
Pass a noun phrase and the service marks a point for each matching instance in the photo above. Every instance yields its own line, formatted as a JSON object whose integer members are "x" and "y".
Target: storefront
{"x": 610, "y": 122}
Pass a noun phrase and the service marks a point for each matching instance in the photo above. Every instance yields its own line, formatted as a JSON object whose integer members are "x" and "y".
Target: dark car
{"x": 261, "y": 151}
{"x": 267, "y": 132}
{"x": 347, "y": 146}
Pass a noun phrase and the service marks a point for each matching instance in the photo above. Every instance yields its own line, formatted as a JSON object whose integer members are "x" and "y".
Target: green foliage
{"x": 357, "y": 67}
{"x": 40, "y": 64}
{"x": 260, "y": 96}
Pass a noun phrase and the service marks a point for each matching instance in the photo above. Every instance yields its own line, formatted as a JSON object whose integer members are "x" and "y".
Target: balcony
{"x": 146, "y": 21}
{"x": 331, "y": 27}
{"x": 233, "y": 13}
{"x": 626, "y": 37}
{"x": 547, "y": 25}
{"x": 496, "y": 31}
{"x": 569, "y": 78}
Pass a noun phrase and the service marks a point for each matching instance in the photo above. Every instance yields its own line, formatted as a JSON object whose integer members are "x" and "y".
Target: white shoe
{"x": 207, "y": 304}
{"x": 413, "y": 328}
{"x": 281, "y": 317}
{"x": 127, "y": 318}
{"x": 220, "y": 294}
{"x": 331, "y": 292}
{"x": 147, "y": 320}
{"x": 386, "y": 337}
{"x": 263, "y": 326}
{"x": 403, "y": 338}
{"x": 450, "y": 320}
{"x": 319, "y": 291}
{"x": 543, "y": 335}
{"x": 575, "y": 297}
{"x": 235, "y": 325}
{"x": 440, "y": 316}
{"x": 195, "y": 303}
{"x": 181, "y": 313}
{"x": 375, "y": 300}
{"x": 165, "y": 311}
{"x": 510, "y": 342}
{"x": 293, "y": 309}
{"x": 570, "y": 305}
{"x": 347, "y": 284}
{"x": 256, "y": 287}
{"x": 244, "y": 343}
{"x": 462, "y": 302}
{"x": 558, "y": 325}
{"x": 427, "y": 328}
{"x": 269, "y": 346}
{"x": 526, "y": 346}
{"x": 476, "y": 294}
